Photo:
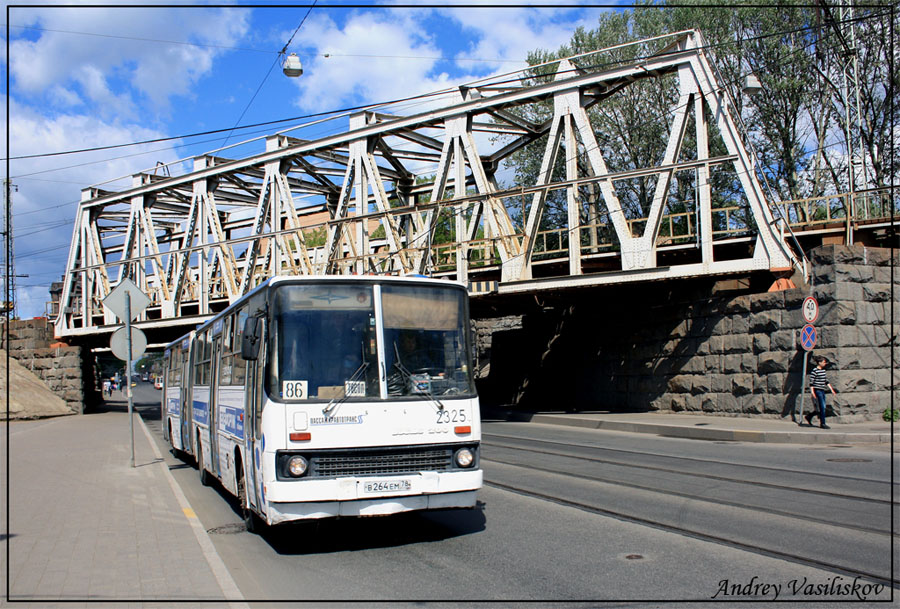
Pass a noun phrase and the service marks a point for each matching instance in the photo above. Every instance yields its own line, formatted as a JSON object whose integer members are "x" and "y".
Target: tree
{"x": 793, "y": 127}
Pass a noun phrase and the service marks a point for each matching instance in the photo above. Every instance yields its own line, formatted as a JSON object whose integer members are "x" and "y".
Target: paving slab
{"x": 87, "y": 527}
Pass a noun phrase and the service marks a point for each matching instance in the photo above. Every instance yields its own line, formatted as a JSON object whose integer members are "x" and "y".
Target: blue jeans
{"x": 820, "y": 401}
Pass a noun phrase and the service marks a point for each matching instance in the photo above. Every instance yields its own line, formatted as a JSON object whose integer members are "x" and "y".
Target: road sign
{"x": 119, "y": 343}
{"x": 115, "y": 300}
{"x": 810, "y": 309}
{"x": 808, "y": 337}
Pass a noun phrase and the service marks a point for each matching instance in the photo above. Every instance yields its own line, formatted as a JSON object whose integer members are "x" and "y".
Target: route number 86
{"x": 294, "y": 390}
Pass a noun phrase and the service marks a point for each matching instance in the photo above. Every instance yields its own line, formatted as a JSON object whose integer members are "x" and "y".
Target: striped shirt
{"x": 818, "y": 379}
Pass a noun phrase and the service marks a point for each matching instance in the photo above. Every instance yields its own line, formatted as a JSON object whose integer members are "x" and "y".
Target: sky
{"x": 82, "y": 77}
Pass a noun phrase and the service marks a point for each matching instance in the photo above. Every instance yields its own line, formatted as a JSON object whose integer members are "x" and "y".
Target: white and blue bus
{"x": 316, "y": 397}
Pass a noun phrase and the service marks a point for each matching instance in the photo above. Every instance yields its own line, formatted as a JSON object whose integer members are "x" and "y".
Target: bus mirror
{"x": 250, "y": 339}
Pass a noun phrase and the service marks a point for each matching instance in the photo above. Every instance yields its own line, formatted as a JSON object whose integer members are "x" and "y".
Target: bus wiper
{"x": 335, "y": 402}
{"x": 406, "y": 374}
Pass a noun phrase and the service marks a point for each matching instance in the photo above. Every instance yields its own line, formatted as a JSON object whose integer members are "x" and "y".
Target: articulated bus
{"x": 316, "y": 397}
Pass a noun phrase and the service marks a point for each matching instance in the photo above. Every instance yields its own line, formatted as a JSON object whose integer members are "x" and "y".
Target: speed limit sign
{"x": 810, "y": 309}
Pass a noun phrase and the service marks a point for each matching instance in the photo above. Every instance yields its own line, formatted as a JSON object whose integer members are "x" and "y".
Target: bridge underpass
{"x": 426, "y": 194}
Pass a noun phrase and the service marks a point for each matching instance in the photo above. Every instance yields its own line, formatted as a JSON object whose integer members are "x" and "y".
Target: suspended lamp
{"x": 292, "y": 66}
{"x": 751, "y": 84}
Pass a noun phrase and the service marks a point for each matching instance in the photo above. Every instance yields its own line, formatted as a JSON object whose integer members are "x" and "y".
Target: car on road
{"x": 158, "y": 383}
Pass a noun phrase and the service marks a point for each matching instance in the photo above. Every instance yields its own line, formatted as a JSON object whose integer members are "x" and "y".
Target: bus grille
{"x": 380, "y": 462}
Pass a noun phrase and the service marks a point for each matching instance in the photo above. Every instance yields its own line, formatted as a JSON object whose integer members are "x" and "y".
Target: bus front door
{"x": 214, "y": 405}
{"x": 187, "y": 410}
{"x": 253, "y": 400}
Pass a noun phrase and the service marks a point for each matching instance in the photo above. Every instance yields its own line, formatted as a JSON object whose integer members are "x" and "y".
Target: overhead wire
{"x": 444, "y": 92}
{"x": 490, "y": 81}
{"x": 266, "y": 77}
{"x": 383, "y": 104}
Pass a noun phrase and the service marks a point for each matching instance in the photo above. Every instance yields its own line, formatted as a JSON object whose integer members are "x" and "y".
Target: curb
{"x": 726, "y": 435}
{"x": 233, "y": 596}
{"x": 697, "y": 433}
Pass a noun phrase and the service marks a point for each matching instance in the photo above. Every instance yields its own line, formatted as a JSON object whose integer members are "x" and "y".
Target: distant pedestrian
{"x": 107, "y": 388}
{"x": 818, "y": 383}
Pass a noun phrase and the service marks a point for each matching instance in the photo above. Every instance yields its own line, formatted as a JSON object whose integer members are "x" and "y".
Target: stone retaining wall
{"x": 683, "y": 346}
{"x": 60, "y": 368}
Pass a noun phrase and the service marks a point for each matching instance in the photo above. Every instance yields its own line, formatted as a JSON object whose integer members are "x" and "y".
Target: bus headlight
{"x": 465, "y": 457}
{"x": 297, "y": 466}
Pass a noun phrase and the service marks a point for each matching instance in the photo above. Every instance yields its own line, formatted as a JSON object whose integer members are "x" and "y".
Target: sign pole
{"x": 808, "y": 339}
{"x": 803, "y": 384}
{"x": 124, "y": 300}
{"x": 128, "y": 372}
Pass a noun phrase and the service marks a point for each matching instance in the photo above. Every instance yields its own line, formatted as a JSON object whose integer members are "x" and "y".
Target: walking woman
{"x": 818, "y": 383}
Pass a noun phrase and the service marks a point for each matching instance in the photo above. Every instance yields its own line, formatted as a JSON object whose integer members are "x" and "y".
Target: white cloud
{"x": 74, "y": 91}
{"x": 387, "y": 55}
{"x": 362, "y": 62}
{"x": 66, "y": 98}
{"x": 154, "y": 69}
{"x": 511, "y": 33}
{"x": 44, "y": 205}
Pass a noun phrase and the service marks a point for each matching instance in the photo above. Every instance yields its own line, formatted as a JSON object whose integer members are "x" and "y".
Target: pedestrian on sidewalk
{"x": 818, "y": 383}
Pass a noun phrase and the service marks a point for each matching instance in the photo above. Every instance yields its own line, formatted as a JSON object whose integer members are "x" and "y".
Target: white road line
{"x": 223, "y": 577}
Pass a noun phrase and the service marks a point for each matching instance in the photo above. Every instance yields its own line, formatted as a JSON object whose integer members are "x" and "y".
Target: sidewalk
{"x": 708, "y": 427}
{"x": 86, "y": 527}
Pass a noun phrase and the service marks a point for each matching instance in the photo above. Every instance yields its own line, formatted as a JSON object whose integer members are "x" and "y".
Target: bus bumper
{"x": 457, "y": 490}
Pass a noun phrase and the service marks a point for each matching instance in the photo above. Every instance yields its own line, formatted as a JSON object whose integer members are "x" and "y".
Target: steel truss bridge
{"x": 359, "y": 202}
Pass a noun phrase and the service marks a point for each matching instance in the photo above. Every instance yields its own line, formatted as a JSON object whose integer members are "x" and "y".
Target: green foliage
{"x": 315, "y": 237}
{"x": 792, "y": 125}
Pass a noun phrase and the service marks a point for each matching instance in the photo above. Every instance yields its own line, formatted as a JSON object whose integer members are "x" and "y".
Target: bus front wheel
{"x": 253, "y": 522}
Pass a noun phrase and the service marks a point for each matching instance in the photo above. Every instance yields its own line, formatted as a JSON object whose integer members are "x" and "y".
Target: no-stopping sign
{"x": 808, "y": 337}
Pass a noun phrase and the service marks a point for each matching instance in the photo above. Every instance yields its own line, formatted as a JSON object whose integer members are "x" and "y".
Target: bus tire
{"x": 252, "y": 522}
{"x": 204, "y": 475}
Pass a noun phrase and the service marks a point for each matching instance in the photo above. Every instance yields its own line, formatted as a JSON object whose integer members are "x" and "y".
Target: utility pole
{"x": 9, "y": 270}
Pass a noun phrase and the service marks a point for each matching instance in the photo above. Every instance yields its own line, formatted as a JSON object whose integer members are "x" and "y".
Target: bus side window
{"x": 225, "y": 369}
{"x": 239, "y": 370}
{"x": 202, "y": 365}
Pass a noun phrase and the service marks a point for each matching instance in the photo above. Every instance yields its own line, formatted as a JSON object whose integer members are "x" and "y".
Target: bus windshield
{"x": 326, "y": 344}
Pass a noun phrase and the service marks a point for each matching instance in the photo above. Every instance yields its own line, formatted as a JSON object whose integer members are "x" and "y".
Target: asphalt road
{"x": 582, "y": 515}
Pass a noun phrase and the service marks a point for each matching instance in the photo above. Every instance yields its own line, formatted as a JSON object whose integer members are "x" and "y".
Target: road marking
{"x": 223, "y": 577}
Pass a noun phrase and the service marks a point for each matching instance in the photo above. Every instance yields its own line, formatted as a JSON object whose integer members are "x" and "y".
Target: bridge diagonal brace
{"x": 259, "y": 220}
{"x": 644, "y": 252}
{"x": 152, "y": 245}
{"x": 336, "y": 229}
{"x": 184, "y": 254}
{"x": 225, "y": 255}
{"x": 300, "y": 250}
{"x": 391, "y": 230}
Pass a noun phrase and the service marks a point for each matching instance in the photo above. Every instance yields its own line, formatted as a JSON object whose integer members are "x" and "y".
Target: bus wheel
{"x": 204, "y": 475}
{"x": 253, "y": 522}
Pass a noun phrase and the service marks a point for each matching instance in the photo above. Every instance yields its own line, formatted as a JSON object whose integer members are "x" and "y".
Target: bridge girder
{"x": 312, "y": 206}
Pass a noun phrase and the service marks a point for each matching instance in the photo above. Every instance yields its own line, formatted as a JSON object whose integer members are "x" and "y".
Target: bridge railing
{"x": 816, "y": 212}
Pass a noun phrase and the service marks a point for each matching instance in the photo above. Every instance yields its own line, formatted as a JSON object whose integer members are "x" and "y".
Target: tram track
{"x": 531, "y": 442}
{"x": 768, "y": 510}
{"x": 702, "y": 535}
{"x": 766, "y": 517}
{"x": 816, "y": 476}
